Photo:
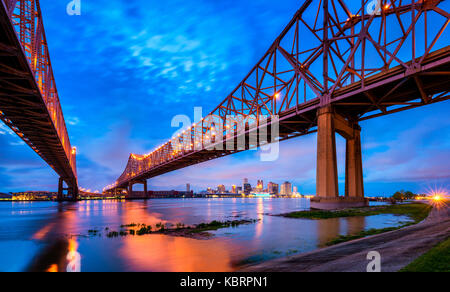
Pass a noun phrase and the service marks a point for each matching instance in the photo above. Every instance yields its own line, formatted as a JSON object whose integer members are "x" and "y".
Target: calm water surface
{"x": 38, "y": 235}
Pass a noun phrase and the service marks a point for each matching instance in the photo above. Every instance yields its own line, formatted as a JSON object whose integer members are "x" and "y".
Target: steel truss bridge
{"x": 29, "y": 101}
{"x": 333, "y": 66}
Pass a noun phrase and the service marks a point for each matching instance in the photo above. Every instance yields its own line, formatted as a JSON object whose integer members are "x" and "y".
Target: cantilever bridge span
{"x": 334, "y": 65}
{"x": 29, "y": 101}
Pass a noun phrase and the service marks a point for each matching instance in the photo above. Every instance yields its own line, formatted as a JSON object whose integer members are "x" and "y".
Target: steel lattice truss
{"x": 29, "y": 102}
{"x": 331, "y": 52}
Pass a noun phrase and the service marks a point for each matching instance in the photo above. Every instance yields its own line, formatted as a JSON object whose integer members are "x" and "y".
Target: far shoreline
{"x": 371, "y": 199}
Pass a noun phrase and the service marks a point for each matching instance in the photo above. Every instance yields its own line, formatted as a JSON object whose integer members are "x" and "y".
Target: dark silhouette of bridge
{"x": 333, "y": 66}
{"x": 29, "y": 101}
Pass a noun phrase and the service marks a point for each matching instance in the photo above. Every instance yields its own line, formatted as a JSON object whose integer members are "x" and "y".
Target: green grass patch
{"x": 318, "y": 215}
{"x": 364, "y": 233}
{"x": 161, "y": 228}
{"x": 216, "y": 225}
{"x": 142, "y": 231}
{"x": 129, "y": 225}
{"x": 417, "y": 212}
{"x": 436, "y": 260}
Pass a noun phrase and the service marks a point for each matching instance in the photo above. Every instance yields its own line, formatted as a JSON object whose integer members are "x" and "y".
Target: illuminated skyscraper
{"x": 246, "y": 187}
{"x": 286, "y": 189}
{"x": 260, "y": 186}
{"x": 221, "y": 189}
{"x": 273, "y": 188}
{"x": 295, "y": 191}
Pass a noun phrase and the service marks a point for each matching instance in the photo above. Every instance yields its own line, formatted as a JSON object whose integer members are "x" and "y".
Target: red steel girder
{"x": 29, "y": 101}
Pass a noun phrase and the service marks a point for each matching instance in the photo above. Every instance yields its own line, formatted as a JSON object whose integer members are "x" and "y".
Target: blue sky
{"x": 124, "y": 69}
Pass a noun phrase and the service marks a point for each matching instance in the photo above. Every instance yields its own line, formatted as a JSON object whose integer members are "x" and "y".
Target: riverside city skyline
{"x": 286, "y": 188}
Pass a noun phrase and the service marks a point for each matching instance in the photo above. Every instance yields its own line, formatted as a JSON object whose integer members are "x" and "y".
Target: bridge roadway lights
{"x": 329, "y": 123}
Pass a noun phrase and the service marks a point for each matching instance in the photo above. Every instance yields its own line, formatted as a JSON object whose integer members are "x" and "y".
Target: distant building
{"x": 221, "y": 189}
{"x": 167, "y": 194}
{"x": 188, "y": 188}
{"x": 273, "y": 188}
{"x": 234, "y": 189}
{"x": 34, "y": 196}
{"x": 5, "y": 196}
{"x": 260, "y": 186}
{"x": 247, "y": 188}
{"x": 239, "y": 190}
{"x": 286, "y": 189}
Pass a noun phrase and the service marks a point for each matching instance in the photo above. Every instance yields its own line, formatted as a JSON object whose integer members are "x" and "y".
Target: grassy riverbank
{"x": 415, "y": 211}
{"x": 200, "y": 231}
{"x": 435, "y": 260}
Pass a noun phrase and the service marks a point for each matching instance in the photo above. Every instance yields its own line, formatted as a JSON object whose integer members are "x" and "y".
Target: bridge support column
{"x": 329, "y": 123}
{"x": 145, "y": 189}
{"x": 60, "y": 196}
{"x": 71, "y": 190}
{"x": 354, "y": 186}
{"x": 130, "y": 190}
{"x": 327, "y": 176}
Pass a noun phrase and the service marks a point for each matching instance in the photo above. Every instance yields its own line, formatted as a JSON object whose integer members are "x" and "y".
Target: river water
{"x": 38, "y": 236}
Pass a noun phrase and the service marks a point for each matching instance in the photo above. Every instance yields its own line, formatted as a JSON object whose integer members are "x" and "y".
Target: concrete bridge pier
{"x": 130, "y": 189}
{"x": 145, "y": 189}
{"x": 327, "y": 198}
{"x": 60, "y": 190}
{"x": 118, "y": 191}
{"x": 71, "y": 189}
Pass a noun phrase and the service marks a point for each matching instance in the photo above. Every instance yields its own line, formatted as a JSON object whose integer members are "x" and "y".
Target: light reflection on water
{"x": 36, "y": 229}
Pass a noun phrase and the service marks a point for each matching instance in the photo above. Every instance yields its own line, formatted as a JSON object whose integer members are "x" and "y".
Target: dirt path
{"x": 397, "y": 248}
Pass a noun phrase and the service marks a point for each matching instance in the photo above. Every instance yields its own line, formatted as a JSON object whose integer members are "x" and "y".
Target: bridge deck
{"x": 22, "y": 106}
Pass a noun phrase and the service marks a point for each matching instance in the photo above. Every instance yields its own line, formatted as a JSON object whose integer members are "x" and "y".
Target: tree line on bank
{"x": 404, "y": 195}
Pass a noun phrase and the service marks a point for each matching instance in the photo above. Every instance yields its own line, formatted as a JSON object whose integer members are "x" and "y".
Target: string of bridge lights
{"x": 212, "y": 129}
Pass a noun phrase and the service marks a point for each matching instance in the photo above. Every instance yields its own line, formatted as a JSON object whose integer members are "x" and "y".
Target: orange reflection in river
{"x": 176, "y": 254}
{"x": 260, "y": 224}
{"x": 53, "y": 269}
{"x": 329, "y": 229}
{"x": 169, "y": 253}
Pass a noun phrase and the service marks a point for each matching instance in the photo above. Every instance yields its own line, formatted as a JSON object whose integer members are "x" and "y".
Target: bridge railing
{"x": 327, "y": 47}
{"x": 26, "y": 17}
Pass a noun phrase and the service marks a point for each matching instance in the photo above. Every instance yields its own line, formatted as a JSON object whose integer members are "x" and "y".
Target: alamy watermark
{"x": 374, "y": 7}
{"x": 74, "y": 8}
{"x": 374, "y": 265}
